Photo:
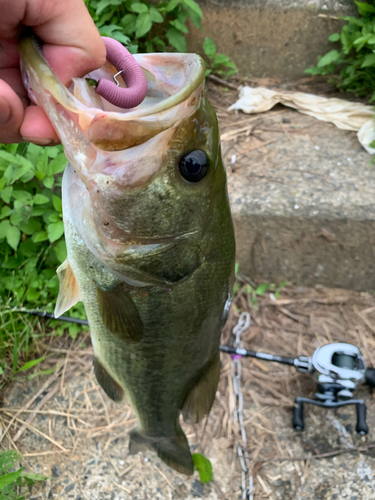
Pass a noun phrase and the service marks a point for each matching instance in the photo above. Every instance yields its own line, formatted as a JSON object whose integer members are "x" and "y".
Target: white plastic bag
{"x": 345, "y": 115}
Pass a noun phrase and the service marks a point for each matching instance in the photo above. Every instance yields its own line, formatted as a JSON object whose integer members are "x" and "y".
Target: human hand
{"x": 72, "y": 46}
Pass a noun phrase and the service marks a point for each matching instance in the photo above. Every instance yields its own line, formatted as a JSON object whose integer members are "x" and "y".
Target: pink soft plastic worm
{"x": 132, "y": 74}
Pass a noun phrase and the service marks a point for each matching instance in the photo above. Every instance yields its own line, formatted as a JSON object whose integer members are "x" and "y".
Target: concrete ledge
{"x": 270, "y": 37}
{"x": 304, "y": 205}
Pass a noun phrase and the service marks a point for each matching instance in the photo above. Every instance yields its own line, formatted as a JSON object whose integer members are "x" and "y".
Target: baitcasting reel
{"x": 338, "y": 370}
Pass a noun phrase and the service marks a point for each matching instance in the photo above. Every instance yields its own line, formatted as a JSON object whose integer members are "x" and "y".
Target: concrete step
{"x": 302, "y": 198}
{"x": 271, "y": 37}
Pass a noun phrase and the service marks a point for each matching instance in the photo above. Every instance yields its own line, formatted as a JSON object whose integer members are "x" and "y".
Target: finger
{"x": 73, "y": 45}
{"x": 11, "y": 114}
{"x": 37, "y": 128}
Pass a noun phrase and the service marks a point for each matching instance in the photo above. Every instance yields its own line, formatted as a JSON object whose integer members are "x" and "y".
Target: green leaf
{"x": 22, "y": 196}
{"x": 31, "y": 475}
{"x": 4, "y": 226}
{"x": 149, "y": 47}
{"x": 221, "y": 59}
{"x": 60, "y": 251}
{"x": 9, "y": 478}
{"x": 194, "y": 7}
{"x": 40, "y": 236}
{"x": 57, "y": 203}
{"x": 6, "y": 193}
{"x": 313, "y": 71}
{"x": 48, "y": 182}
{"x": 195, "y": 19}
{"x": 156, "y": 16}
{"x": 13, "y": 237}
{"x": 203, "y": 466}
{"x": 55, "y": 231}
{"x": 5, "y": 212}
{"x": 143, "y": 24}
{"x": 330, "y": 57}
{"x": 42, "y": 164}
{"x": 103, "y": 4}
{"x": 30, "y": 227}
{"x": 179, "y": 25}
{"x": 261, "y": 289}
{"x": 172, "y": 5}
{"x": 364, "y": 8}
{"x": 54, "y": 217}
{"x": 57, "y": 165}
{"x": 369, "y": 60}
{"x": 209, "y": 47}
{"x": 40, "y": 199}
{"x": 128, "y": 23}
{"x": 176, "y": 39}
{"x": 31, "y": 363}
{"x": 139, "y": 8}
{"x": 335, "y": 37}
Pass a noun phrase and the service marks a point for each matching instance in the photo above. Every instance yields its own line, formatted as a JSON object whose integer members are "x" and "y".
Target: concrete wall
{"x": 270, "y": 37}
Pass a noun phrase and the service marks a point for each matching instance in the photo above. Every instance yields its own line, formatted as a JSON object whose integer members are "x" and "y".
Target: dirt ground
{"x": 67, "y": 428}
{"x": 72, "y": 432}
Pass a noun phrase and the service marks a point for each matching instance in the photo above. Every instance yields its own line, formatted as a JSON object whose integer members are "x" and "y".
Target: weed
{"x": 12, "y": 483}
{"x": 356, "y": 57}
{"x": 218, "y": 63}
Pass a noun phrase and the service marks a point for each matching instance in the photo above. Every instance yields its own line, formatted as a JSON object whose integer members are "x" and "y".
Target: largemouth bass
{"x": 149, "y": 239}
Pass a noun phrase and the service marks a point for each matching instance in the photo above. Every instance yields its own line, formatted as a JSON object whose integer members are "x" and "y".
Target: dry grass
{"x": 297, "y": 323}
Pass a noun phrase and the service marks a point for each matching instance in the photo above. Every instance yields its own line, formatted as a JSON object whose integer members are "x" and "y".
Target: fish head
{"x": 146, "y": 181}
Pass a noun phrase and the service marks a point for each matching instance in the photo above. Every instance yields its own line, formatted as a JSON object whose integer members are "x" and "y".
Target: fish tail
{"x": 173, "y": 450}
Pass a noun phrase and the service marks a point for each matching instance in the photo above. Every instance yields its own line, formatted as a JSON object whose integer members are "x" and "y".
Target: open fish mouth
{"x": 174, "y": 86}
{"x": 114, "y": 153}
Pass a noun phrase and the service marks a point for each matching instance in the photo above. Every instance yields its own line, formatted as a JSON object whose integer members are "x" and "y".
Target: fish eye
{"x": 194, "y": 166}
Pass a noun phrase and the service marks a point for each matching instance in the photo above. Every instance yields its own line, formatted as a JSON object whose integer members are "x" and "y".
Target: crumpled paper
{"x": 345, "y": 115}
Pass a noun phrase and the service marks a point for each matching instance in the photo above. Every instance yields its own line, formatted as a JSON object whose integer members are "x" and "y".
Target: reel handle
{"x": 370, "y": 377}
{"x": 298, "y": 422}
{"x": 361, "y": 427}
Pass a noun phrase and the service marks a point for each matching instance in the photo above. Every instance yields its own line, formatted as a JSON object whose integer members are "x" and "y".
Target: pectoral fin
{"x": 69, "y": 292}
{"x": 119, "y": 314}
{"x": 199, "y": 400}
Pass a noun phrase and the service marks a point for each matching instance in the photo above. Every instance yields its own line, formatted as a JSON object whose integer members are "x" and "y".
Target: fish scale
{"x": 150, "y": 252}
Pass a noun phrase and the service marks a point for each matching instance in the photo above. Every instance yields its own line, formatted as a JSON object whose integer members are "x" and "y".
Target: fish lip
{"x": 192, "y": 65}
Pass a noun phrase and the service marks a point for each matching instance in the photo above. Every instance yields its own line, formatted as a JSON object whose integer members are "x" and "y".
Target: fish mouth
{"x": 174, "y": 83}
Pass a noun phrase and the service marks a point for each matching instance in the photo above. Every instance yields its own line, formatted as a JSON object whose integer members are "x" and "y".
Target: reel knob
{"x": 370, "y": 377}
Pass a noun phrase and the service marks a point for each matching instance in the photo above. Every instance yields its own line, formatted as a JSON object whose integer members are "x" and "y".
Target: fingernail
{"x": 5, "y": 111}
{"x": 38, "y": 141}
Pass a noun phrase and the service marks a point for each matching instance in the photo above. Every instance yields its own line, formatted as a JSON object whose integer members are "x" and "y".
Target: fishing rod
{"x": 337, "y": 368}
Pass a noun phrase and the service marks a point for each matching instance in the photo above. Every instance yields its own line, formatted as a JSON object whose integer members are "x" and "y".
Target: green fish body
{"x": 150, "y": 253}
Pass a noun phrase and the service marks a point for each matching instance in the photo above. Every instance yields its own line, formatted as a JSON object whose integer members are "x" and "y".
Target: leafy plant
{"x": 203, "y": 466}
{"x": 13, "y": 482}
{"x": 146, "y": 26}
{"x": 218, "y": 63}
{"x": 355, "y": 59}
{"x": 31, "y": 239}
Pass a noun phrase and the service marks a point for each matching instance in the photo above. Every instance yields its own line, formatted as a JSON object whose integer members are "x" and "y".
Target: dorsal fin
{"x": 69, "y": 293}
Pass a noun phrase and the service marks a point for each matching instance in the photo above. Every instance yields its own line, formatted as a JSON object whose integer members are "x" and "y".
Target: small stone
{"x": 70, "y": 487}
{"x": 197, "y": 489}
{"x": 56, "y": 472}
{"x": 285, "y": 120}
